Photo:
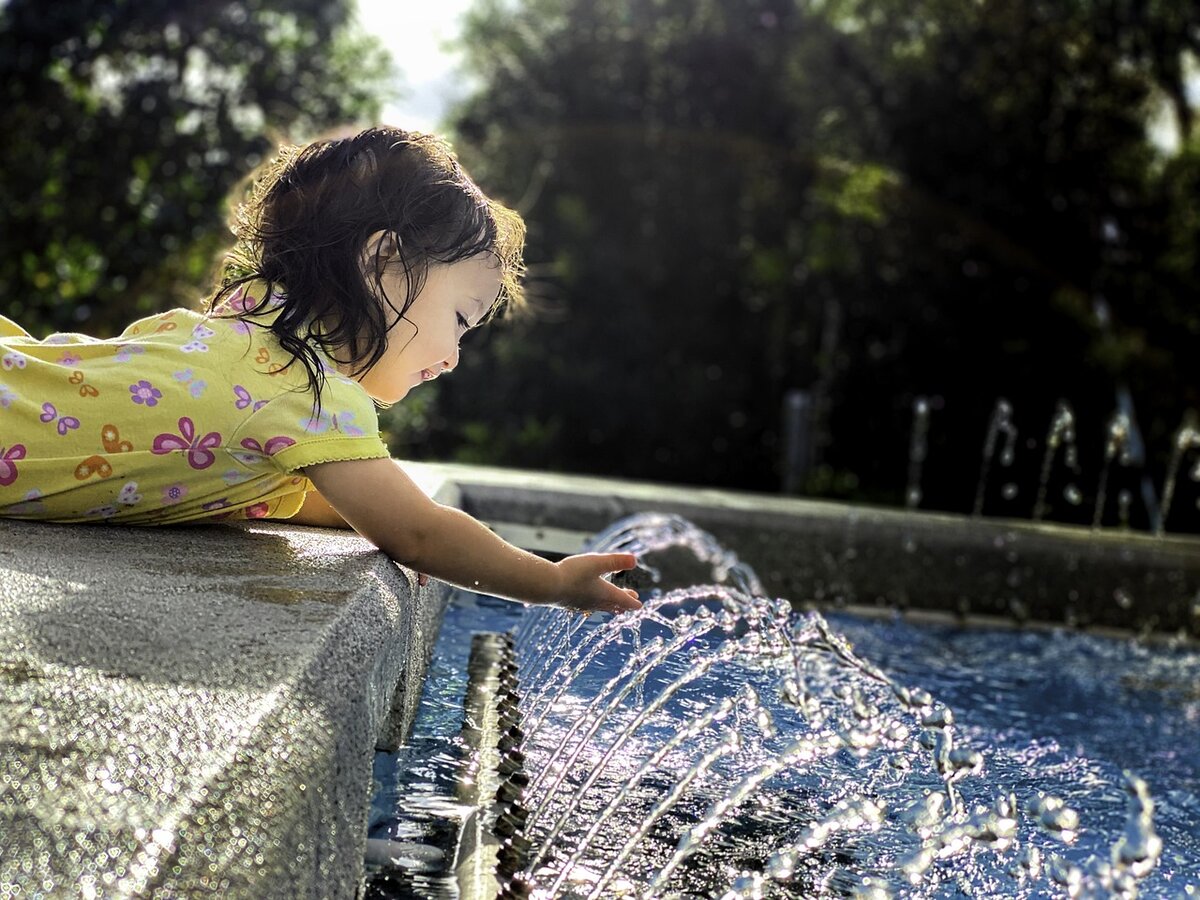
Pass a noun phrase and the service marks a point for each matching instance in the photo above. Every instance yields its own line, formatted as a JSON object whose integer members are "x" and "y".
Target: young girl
{"x": 358, "y": 266}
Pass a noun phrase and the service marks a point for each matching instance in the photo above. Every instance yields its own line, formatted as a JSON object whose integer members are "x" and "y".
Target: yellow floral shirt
{"x": 182, "y": 417}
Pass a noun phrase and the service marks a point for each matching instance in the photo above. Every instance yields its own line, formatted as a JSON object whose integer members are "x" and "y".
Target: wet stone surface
{"x": 194, "y": 710}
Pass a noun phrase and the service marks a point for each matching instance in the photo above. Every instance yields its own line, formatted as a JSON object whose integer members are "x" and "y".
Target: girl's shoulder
{"x": 10, "y": 329}
{"x": 248, "y": 302}
{"x": 162, "y": 324}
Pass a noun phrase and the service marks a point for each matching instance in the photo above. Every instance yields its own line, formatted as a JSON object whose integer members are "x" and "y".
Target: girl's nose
{"x": 450, "y": 361}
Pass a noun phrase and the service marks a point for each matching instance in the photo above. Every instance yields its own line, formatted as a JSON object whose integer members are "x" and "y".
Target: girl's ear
{"x": 380, "y": 247}
{"x": 389, "y": 244}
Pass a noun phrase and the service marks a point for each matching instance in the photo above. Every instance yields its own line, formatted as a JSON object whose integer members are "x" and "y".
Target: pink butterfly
{"x": 49, "y": 414}
{"x": 244, "y": 399}
{"x": 238, "y": 304}
{"x": 8, "y": 463}
{"x": 199, "y": 450}
{"x": 242, "y": 301}
{"x": 258, "y": 451}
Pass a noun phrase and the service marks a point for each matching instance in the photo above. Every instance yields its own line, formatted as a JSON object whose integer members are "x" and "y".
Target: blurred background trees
{"x": 126, "y": 123}
{"x": 869, "y": 202}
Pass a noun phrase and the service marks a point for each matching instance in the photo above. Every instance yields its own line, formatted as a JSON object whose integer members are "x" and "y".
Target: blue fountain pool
{"x": 872, "y": 758}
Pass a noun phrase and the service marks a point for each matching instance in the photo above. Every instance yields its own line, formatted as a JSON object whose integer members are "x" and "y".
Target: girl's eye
{"x": 462, "y": 322}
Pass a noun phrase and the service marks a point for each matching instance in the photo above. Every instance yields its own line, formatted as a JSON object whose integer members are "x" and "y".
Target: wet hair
{"x": 303, "y": 225}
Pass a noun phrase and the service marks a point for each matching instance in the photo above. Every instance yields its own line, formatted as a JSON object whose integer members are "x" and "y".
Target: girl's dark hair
{"x": 304, "y": 221}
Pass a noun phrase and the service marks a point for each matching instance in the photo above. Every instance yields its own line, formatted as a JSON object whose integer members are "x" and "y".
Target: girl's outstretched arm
{"x": 386, "y": 507}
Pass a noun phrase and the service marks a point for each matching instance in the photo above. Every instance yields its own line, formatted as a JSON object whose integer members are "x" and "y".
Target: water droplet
{"x": 1054, "y": 817}
{"x": 913, "y": 698}
{"x": 926, "y": 812}
{"x": 1009, "y": 491}
{"x": 1027, "y": 864}
{"x": 1072, "y": 495}
{"x": 1123, "y": 599}
{"x": 965, "y": 761}
{"x": 939, "y": 717}
{"x": 781, "y": 866}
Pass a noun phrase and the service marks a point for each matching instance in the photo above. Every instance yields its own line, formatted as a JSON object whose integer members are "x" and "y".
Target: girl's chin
{"x": 389, "y": 397}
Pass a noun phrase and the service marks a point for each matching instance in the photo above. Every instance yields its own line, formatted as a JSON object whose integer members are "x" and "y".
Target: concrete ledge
{"x": 192, "y": 711}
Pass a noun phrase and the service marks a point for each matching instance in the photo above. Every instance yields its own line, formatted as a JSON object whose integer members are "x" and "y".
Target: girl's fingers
{"x": 624, "y": 601}
{"x": 613, "y": 562}
{"x": 623, "y": 561}
{"x": 627, "y": 599}
{"x": 595, "y": 593}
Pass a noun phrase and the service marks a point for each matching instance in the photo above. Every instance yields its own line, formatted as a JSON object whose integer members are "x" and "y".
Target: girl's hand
{"x": 581, "y": 586}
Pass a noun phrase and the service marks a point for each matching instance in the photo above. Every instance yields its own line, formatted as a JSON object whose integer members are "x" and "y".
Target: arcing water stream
{"x": 717, "y": 744}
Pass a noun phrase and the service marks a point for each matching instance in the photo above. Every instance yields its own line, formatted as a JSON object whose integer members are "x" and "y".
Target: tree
{"x": 126, "y": 123}
{"x": 871, "y": 200}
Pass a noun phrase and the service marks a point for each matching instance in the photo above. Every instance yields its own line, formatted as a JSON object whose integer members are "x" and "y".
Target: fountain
{"x": 1061, "y": 435}
{"x": 1187, "y": 440}
{"x": 719, "y": 744}
{"x": 1116, "y": 447}
{"x": 1001, "y": 424}
{"x": 775, "y": 749}
{"x": 918, "y": 447}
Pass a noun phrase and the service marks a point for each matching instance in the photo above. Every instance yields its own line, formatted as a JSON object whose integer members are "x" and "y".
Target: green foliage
{"x": 866, "y": 199}
{"x": 126, "y": 123}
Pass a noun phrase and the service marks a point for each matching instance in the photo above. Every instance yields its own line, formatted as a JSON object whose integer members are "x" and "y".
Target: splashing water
{"x": 1000, "y": 424}
{"x": 1116, "y": 447}
{"x": 717, "y": 744}
{"x": 1060, "y": 435}
{"x": 1187, "y": 439}
{"x": 917, "y": 450}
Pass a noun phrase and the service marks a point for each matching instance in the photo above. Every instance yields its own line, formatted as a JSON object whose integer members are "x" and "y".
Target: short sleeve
{"x": 293, "y": 434}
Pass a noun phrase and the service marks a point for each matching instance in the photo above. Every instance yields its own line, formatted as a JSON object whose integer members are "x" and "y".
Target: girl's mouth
{"x": 429, "y": 374}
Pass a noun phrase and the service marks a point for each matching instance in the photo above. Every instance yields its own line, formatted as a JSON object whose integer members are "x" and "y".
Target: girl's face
{"x": 424, "y": 343}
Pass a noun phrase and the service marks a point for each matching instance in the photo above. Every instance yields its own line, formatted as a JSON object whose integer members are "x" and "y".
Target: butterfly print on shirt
{"x": 65, "y": 423}
{"x": 197, "y": 449}
{"x": 99, "y": 465}
{"x": 8, "y": 463}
